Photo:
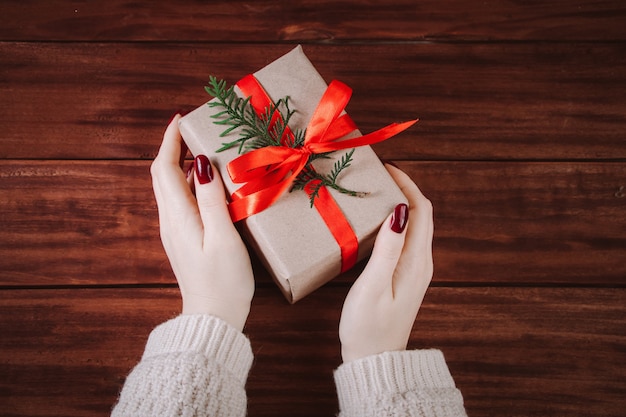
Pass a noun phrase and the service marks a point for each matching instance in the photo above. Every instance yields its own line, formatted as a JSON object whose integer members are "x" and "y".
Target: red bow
{"x": 269, "y": 172}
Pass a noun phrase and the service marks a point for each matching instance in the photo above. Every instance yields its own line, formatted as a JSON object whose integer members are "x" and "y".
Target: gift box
{"x": 290, "y": 237}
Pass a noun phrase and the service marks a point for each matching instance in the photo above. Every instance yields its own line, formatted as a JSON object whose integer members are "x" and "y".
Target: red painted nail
{"x": 204, "y": 171}
{"x": 399, "y": 218}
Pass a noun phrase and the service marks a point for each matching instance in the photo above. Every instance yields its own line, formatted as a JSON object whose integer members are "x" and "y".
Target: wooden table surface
{"x": 521, "y": 147}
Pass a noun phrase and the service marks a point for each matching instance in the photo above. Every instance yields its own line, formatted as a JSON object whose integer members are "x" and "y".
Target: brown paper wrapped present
{"x": 290, "y": 237}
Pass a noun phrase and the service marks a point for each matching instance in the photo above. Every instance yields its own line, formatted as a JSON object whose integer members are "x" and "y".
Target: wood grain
{"x": 539, "y": 223}
{"x": 520, "y": 146}
{"x": 95, "y": 223}
{"x": 474, "y": 101}
{"x": 509, "y": 349}
{"x": 73, "y": 222}
{"x": 312, "y": 21}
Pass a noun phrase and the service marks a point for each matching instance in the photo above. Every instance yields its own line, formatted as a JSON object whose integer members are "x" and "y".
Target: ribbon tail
{"x": 337, "y": 223}
{"x": 261, "y": 102}
{"x": 369, "y": 139}
{"x": 247, "y": 203}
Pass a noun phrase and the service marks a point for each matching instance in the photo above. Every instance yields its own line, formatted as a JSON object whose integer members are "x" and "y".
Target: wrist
{"x": 364, "y": 350}
{"x": 232, "y": 313}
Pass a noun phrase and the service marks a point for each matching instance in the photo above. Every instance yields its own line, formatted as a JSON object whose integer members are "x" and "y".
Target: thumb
{"x": 211, "y": 199}
{"x": 378, "y": 274}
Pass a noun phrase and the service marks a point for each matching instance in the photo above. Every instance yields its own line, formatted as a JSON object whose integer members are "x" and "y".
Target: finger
{"x": 379, "y": 272}
{"x": 174, "y": 199}
{"x": 416, "y": 260}
{"x": 172, "y": 145}
{"x": 211, "y": 201}
{"x": 421, "y": 210}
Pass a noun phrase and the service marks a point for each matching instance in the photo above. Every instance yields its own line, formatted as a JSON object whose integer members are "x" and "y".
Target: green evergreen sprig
{"x": 257, "y": 131}
{"x": 254, "y": 131}
{"x": 309, "y": 175}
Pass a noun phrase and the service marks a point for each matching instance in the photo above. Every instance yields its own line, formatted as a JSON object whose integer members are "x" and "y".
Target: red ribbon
{"x": 269, "y": 172}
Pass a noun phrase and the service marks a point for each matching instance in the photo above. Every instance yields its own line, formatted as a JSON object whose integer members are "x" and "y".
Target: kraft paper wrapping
{"x": 290, "y": 237}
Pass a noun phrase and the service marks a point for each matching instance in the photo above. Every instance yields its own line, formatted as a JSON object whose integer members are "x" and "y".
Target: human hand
{"x": 207, "y": 255}
{"x": 381, "y": 307}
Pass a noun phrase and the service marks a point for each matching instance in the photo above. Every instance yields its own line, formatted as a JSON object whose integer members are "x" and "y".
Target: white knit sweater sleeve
{"x": 405, "y": 383}
{"x": 193, "y": 365}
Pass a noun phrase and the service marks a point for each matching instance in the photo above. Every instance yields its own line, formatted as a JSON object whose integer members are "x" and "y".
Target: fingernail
{"x": 204, "y": 171}
{"x": 386, "y": 161}
{"x": 172, "y": 118}
{"x": 177, "y": 112}
{"x": 400, "y": 218}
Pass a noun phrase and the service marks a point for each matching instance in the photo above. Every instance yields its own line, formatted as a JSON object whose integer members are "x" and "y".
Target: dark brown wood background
{"x": 521, "y": 147}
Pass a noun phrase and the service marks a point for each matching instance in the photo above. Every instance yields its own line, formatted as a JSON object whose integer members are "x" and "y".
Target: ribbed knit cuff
{"x": 207, "y": 335}
{"x": 390, "y": 373}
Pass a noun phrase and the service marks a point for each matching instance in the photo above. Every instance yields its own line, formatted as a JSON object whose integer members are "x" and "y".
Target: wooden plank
{"x": 95, "y": 222}
{"x": 512, "y": 351}
{"x": 312, "y": 21}
{"x": 527, "y": 222}
{"x": 520, "y": 147}
{"x": 475, "y": 101}
{"x": 73, "y": 222}
{"x": 511, "y": 342}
